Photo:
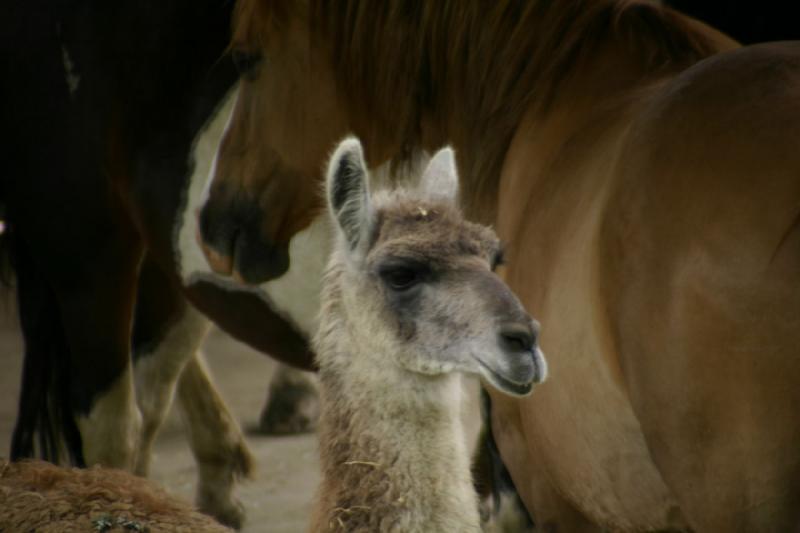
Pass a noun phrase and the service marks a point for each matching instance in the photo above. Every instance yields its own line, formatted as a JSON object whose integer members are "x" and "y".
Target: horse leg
{"x": 292, "y": 404}
{"x": 216, "y": 440}
{"x": 77, "y": 384}
{"x": 85, "y": 250}
{"x": 292, "y": 400}
{"x": 97, "y": 320}
{"x": 217, "y": 443}
{"x": 166, "y": 334}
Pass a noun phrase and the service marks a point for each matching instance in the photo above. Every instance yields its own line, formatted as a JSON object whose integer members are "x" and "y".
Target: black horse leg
{"x": 97, "y": 318}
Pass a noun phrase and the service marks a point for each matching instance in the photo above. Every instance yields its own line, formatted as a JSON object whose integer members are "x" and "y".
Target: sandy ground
{"x": 277, "y": 500}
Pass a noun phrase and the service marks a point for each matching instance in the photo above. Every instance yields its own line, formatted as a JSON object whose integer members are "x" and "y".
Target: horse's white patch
{"x": 157, "y": 373}
{"x": 111, "y": 429}
{"x": 72, "y": 79}
{"x": 189, "y": 256}
{"x": 295, "y": 295}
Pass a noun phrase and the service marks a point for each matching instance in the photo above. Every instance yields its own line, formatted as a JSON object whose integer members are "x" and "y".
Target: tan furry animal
{"x": 410, "y": 305}
{"x": 44, "y": 498}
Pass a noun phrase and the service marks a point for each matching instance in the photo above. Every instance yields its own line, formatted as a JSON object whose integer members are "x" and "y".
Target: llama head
{"x": 415, "y": 281}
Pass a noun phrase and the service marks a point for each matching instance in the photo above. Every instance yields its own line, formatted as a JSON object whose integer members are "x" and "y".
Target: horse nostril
{"x": 518, "y": 337}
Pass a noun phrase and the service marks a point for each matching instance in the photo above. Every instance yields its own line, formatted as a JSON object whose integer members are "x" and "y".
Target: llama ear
{"x": 440, "y": 179}
{"x": 348, "y": 192}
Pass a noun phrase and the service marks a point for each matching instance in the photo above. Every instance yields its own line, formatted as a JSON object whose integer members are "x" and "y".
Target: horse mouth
{"x": 506, "y": 384}
{"x": 247, "y": 260}
{"x": 220, "y": 263}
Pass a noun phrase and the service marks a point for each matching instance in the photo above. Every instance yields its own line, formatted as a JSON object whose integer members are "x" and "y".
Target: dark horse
{"x": 103, "y": 108}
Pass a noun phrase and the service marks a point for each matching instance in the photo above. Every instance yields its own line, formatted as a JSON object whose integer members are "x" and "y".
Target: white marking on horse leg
{"x": 217, "y": 443}
{"x": 111, "y": 429}
{"x": 156, "y": 375}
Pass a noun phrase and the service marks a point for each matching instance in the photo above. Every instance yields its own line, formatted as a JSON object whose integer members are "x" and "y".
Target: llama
{"x": 410, "y": 304}
{"x": 39, "y": 496}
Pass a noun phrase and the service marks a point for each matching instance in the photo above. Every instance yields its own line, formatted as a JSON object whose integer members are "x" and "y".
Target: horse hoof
{"x": 292, "y": 406}
{"x": 229, "y": 513}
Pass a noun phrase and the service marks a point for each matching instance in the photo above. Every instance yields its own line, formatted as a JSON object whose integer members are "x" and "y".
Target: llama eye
{"x": 400, "y": 278}
{"x": 246, "y": 63}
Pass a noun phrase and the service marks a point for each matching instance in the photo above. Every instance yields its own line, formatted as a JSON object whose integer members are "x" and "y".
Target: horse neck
{"x": 590, "y": 98}
{"x": 598, "y": 93}
{"x": 521, "y": 57}
{"x": 391, "y": 442}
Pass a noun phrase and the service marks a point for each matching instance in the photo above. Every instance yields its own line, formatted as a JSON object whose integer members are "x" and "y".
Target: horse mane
{"x": 400, "y": 61}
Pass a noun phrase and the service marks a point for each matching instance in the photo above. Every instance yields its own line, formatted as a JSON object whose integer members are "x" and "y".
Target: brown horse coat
{"x": 648, "y": 190}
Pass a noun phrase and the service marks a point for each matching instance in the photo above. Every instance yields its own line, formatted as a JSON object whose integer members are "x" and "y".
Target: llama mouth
{"x": 504, "y": 384}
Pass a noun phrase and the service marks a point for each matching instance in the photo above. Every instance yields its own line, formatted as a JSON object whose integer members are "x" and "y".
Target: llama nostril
{"x": 518, "y": 337}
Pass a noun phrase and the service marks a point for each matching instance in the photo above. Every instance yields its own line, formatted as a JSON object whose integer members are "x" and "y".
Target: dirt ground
{"x": 277, "y": 500}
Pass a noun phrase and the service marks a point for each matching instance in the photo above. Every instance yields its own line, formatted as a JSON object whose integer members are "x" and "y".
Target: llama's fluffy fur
{"x": 38, "y": 496}
{"x": 391, "y": 444}
{"x": 409, "y": 307}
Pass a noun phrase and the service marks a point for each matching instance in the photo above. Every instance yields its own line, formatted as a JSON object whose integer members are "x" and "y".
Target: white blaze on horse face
{"x": 189, "y": 256}
{"x": 295, "y": 294}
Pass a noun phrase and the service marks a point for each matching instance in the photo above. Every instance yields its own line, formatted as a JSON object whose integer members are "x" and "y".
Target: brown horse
{"x": 641, "y": 168}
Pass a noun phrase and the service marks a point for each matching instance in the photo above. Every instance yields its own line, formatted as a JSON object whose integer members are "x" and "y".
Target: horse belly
{"x": 577, "y": 437}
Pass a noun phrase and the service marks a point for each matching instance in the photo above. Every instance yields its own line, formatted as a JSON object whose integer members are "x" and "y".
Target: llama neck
{"x": 392, "y": 451}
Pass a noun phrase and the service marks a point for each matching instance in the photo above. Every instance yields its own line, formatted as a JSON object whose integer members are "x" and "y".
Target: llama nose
{"x": 518, "y": 337}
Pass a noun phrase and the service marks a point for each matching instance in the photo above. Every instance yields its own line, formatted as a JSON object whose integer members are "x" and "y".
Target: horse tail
{"x": 44, "y": 419}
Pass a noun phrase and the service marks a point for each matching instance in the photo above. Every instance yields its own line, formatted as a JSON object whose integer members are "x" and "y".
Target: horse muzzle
{"x": 234, "y": 247}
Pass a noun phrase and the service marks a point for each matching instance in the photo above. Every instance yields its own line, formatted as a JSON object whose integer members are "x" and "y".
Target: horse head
{"x": 264, "y": 185}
